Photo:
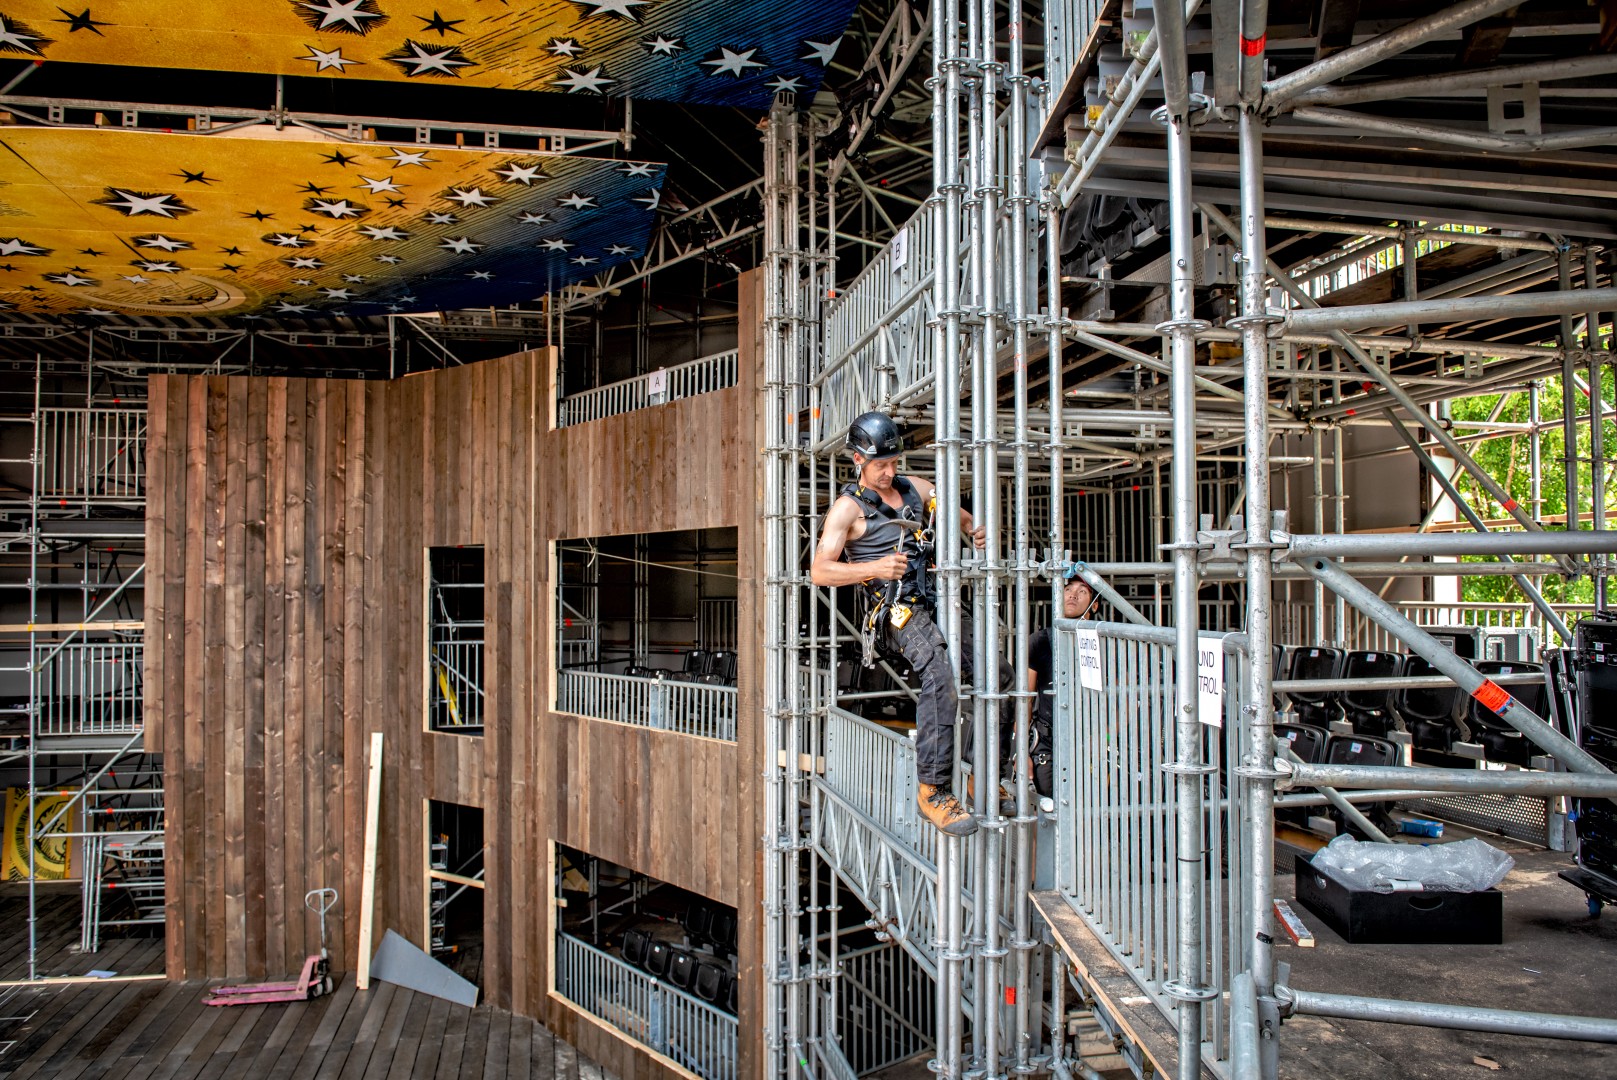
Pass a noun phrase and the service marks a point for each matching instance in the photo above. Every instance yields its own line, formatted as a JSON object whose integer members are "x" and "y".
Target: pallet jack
{"x": 312, "y": 982}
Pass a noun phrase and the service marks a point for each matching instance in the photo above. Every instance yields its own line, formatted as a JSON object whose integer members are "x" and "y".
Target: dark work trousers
{"x": 937, "y": 705}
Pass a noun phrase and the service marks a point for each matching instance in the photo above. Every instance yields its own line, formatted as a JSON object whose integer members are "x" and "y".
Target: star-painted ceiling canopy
{"x": 720, "y": 52}
{"x": 139, "y": 223}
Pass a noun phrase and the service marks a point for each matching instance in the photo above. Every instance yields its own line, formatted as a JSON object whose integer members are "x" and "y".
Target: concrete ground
{"x": 1555, "y": 958}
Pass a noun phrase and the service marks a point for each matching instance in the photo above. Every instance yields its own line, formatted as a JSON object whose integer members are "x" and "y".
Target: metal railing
{"x": 662, "y": 703}
{"x": 885, "y": 1007}
{"x": 88, "y": 688}
{"x": 457, "y": 682}
{"x": 685, "y": 1029}
{"x": 1117, "y": 857}
{"x": 1293, "y": 621}
{"x": 92, "y": 455}
{"x": 878, "y": 333}
{"x": 1067, "y": 24}
{"x": 700, "y": 376}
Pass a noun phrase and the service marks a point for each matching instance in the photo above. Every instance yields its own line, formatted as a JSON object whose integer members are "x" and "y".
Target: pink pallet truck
{"x": 312, "y": 982}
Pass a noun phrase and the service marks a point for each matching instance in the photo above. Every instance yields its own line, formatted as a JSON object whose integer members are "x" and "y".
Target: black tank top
{"x": 886, "y": 530}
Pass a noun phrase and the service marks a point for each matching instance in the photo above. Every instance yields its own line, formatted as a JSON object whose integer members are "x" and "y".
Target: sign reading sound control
{"x": 1089, "y": 659}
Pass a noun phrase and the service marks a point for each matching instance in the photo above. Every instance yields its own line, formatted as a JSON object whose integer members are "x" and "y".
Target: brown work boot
{"x": 942, "y": 809}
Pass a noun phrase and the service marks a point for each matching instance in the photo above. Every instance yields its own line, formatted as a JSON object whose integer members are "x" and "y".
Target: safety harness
{"x": 896, "y": 599}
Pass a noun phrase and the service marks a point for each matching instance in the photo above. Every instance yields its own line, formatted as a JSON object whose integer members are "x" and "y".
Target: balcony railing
{"x": 457, "y": 682}
{"x": 700, "y": 376}
{"x": 1294, "y": 621}
{"x": 680, "y": 1027}
{"x": 661, "y": 703}
{"x": 92, "y": 455}
{"x": 88, "y": 688}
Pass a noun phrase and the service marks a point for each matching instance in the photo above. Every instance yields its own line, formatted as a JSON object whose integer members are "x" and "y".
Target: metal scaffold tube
{"x": 1187, "y": 768}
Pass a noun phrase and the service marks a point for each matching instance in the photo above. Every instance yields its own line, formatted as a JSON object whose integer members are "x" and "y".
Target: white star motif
{"x": 619, "y": 249}
{"x": 135, "y": 279}
{"x": 589, "y": 81}
{"x": 286, "y": 308}
{"x": 324, "y": 60}
{"x": 821, "y": 52}
{"x": 394, "y": 307}
{"x": 464, "y": 245}
{"x": 563, "y": 47}
{"x": 784, "y": 85}
{"x": 391, "y": 259}
{"x": 620, "y": 8}
{"x": 470, "y": 197}
{"x": 425, "y": 60}
{"x": 133, "y": 205}
{"x": 15, "y": 246}
{"x": 103, "y": 312}
{"x": 304, "y": 262}
{"x": 576, "y": 201}
{"x": 442, "y": 218}
{"x": 302, "y": 281}
{"x": 554, "y": 245}
{"x": 378, "y": 186}
{"x": 338, "y": 208}
{"x": 519, "y": 174}
{"x": 652, "y": 199}
{"x": 164, "y": 242}
{"x": 583, "y": 260}
{"x": 481, "y": 275}
{"x": 529, "y": 217}
{"x": 353, "y": 279}
{"x": 407, "y": 298}
{"x": 403, "y": 157}
{"x": 637, "y": 168}
{"x": 665, "y": 46}
{"x": 731, "y": 62}
{"x": 15, "y": 38}
{"x": 69, "y": 279}
{"x": 384, "y": 232}
{"x": 338, "y": 294}
{"x": 344, "y": 12}
{"x": 291, "y": 240}
{"x": 152, "y": 267}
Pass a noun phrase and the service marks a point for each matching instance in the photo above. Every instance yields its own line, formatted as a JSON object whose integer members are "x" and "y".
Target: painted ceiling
{"x": 109, "y": 222}
{"x": 720, "y": 52}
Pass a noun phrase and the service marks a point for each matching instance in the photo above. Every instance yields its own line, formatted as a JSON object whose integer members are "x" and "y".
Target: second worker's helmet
{"x": 874, "y": 437}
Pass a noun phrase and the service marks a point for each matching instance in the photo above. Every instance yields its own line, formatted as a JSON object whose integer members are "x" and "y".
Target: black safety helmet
{"x": 874, "y": 437}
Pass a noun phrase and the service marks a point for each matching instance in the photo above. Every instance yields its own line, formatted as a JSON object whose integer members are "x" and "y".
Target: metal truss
{"x": 218, "y": 120}
{"x": 711, "y": 227}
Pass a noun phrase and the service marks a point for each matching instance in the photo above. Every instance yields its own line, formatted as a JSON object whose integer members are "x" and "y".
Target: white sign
{"x": 901, "y": 249}
{"x": 657, "y": 382}
{"x": 1089, "y": 659}
{"x": 1210, "y": 681}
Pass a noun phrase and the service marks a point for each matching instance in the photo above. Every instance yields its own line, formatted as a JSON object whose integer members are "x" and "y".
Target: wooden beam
{"x": 458, "y": 879}
{"x": 1482, "y": 42}
{"x": 119, "y": 626}
{"x": 1333, "y": 25}
{"x": 367, "y": 889}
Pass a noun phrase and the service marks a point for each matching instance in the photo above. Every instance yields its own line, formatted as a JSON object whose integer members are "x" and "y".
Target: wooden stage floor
{"x": 161, "y": 1031}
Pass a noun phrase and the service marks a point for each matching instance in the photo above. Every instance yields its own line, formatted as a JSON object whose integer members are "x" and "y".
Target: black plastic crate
{"x": 1363, "y": 917}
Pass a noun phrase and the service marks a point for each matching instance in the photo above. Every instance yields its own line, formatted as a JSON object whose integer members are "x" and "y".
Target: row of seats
{"x": 710, "y": 667}
{"x": 710, "y": 926}
{"x": 1436, "y": 719}
{"x": 684, "y": 970}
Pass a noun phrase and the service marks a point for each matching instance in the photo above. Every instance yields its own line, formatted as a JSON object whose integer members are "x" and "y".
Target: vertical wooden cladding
{"x": 286, "y": 525}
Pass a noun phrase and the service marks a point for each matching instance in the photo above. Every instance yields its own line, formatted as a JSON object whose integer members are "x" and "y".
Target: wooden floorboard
{"x": 165, "y": 1032}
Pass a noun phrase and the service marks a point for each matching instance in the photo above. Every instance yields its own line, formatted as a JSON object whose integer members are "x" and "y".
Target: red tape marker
{"x": 1510, "y": 504}
{"x": 1249, "y": 47}
{"x": 1490, "y": 695}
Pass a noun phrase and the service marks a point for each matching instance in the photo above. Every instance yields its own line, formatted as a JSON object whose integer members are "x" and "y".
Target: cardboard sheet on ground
{"x": 402, "y": 964}
{"x": 143, "y": 223}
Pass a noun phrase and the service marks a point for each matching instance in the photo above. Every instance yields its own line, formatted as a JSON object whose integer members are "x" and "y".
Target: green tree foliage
{"x": 1509, "y": 460}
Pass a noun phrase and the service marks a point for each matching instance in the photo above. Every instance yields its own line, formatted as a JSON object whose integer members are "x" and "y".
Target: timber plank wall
{"x": 287, "y": 524}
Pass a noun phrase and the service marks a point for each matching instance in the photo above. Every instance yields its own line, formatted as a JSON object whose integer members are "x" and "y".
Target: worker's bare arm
{"x": 828, "y": 569}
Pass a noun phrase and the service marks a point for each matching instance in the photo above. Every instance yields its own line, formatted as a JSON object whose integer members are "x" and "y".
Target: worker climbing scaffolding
{"x": 878, "y": 537}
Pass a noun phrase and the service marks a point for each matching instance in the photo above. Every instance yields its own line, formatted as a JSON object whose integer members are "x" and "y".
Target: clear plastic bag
{"x": 1461, "y": 866}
